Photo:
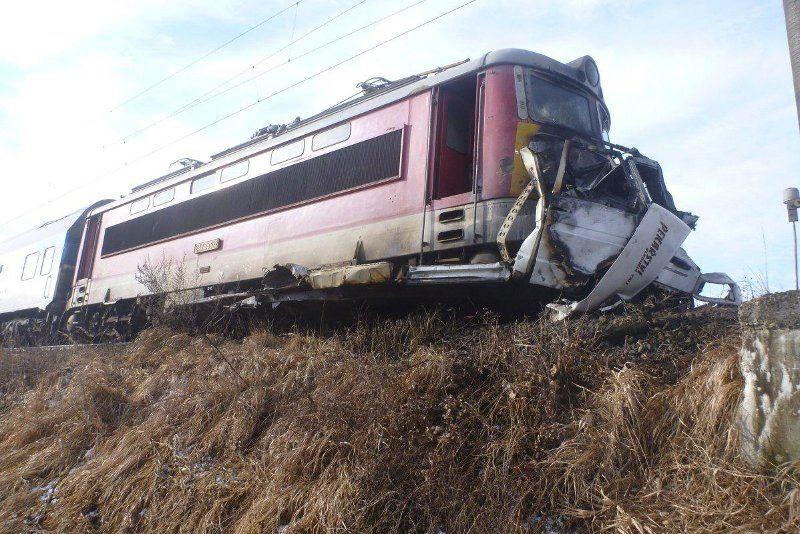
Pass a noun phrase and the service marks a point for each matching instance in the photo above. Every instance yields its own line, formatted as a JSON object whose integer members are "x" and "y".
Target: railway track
{"x": 61, "y": 348}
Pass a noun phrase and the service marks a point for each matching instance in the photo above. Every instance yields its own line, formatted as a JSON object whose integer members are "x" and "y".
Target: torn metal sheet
{"x": 369, "y": 273}
{"x": 530, "y": 246}
{"x": 250, "y": 303}
{"x": 286, "y": 276}
{"x": 682, "y": 274}
{"x": 733, "y": 297}
{"x": 532, "y": 166}
{"x": 652, "y": 245}
{"x": 458, "y": 274}
{"x": 581, "y": 238}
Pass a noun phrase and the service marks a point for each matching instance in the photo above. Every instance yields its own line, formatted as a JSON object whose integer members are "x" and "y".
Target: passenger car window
{"x": 29, "y": 267}
{"x": 162, "y": 197}
{"x": 237, "y": 170}
{"x": 203, "y": 183}
{"x": 287, "y": 152}
{"x": 140, "y": 205}
{"x": 331, "y": 137}
{"x": 47, "y": 261}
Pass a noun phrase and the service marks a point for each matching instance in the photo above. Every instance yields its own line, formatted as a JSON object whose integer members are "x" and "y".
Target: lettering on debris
{"x": 651, "y": 251}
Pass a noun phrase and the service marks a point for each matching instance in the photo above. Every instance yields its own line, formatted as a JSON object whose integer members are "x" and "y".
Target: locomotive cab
{"x": 480, "y": 122}
{"x": 601, "y": 224}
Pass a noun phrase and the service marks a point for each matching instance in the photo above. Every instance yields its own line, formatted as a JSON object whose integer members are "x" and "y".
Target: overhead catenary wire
{"x": 211, "y": 94}
{"x": 211, "y": 52}
{"x": 201, "y": 98}
{"x": 244, "y": 108}
{"x": 300, "y": 82}
{"x": 276, "y": 52}
{"x": 294, "y": 20}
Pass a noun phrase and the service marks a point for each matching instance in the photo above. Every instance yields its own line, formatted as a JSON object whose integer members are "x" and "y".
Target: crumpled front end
{"x": 606, "y": 224}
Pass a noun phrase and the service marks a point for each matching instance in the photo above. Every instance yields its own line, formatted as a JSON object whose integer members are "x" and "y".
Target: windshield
{"x": 551, "y": 103}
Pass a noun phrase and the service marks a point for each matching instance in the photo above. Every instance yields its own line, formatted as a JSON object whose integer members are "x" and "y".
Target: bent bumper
{"x": 654, "y": 242}
{"x": 652, "y": 255}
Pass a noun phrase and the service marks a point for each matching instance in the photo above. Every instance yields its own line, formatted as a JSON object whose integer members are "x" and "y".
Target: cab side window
{"x": 29, "y": 267}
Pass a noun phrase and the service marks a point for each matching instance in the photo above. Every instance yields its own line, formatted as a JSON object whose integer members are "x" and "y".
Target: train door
{"x": 455, "y": 124}
{"x": 88, "y": 250}
{"x": 447, "y": 224}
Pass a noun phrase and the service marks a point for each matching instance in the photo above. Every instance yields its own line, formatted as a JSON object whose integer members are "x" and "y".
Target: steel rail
{"x": 54, "y": 348}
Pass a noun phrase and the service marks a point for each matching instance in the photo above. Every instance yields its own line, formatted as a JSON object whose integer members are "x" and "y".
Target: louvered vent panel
{"x": 350, "y": 167}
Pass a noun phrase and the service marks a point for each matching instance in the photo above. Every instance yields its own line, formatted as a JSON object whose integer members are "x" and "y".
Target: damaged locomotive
{"x": 493, "y": 178}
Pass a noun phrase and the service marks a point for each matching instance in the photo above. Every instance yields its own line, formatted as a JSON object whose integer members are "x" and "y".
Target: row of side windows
{"x": 32, "y": 262}
{"x": 226, "y": 174}
{"x": 290, "y": 151}
{"x": 231, "y": 172}
{"x": 319, "y": 141}
{"x": 162, "y": 197}
{"x": 349, "y": 168}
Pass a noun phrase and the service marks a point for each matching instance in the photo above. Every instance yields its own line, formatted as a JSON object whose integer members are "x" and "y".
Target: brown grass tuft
{"x": 422, "y": 423}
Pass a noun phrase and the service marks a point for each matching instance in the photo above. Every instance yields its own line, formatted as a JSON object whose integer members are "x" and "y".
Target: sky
{"x": 703, "y": 87}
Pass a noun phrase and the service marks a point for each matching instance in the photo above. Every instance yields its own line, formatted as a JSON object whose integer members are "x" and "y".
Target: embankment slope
{"x": 427, "y": 423}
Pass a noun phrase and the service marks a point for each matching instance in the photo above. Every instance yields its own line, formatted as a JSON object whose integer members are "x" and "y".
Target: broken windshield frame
{"x": 605, "y": 121}
{"x": 553, "y": 103}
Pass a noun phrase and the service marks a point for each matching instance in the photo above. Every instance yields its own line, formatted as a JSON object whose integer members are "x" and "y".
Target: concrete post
{"x": 791, "y": 9}
{"x": 770, "y": 363}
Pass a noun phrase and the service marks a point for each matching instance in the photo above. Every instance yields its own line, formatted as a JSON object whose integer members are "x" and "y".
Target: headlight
{"x": 592, "y": 74}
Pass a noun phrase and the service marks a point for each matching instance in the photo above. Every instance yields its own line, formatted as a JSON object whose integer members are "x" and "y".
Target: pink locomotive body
{"x": 381, "y": 218}
{"x": 421, "y": 184}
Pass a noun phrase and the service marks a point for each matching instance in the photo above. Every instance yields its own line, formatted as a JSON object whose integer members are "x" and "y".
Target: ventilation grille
{"x": 347, "y": 168}
{"x": 450, "y": 235}
{"x": 451, "y": 216}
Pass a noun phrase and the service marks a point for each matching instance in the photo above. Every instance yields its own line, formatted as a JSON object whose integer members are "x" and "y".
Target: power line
{"x": 307, "y": 78}
{"x": 199, "y": 99}
{"x": 211, "y": 95}
{"x": 149, "y": 88}
{"x": 244, "y": 108}
{"x": 294, "y": 20}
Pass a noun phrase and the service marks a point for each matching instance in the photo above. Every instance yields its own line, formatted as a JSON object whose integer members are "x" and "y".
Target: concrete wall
{"x": 770, "y": 362}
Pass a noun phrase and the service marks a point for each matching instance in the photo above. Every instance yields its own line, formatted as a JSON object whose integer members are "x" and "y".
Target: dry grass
{"x": 418, "y": 424}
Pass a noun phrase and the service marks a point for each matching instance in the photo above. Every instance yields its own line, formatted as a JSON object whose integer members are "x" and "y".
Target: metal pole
{"x": 796, "y": 280}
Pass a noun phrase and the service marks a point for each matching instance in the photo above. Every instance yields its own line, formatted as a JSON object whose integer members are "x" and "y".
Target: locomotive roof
{"x": 571, "y": 72}
{"x": 400, "y": 89}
